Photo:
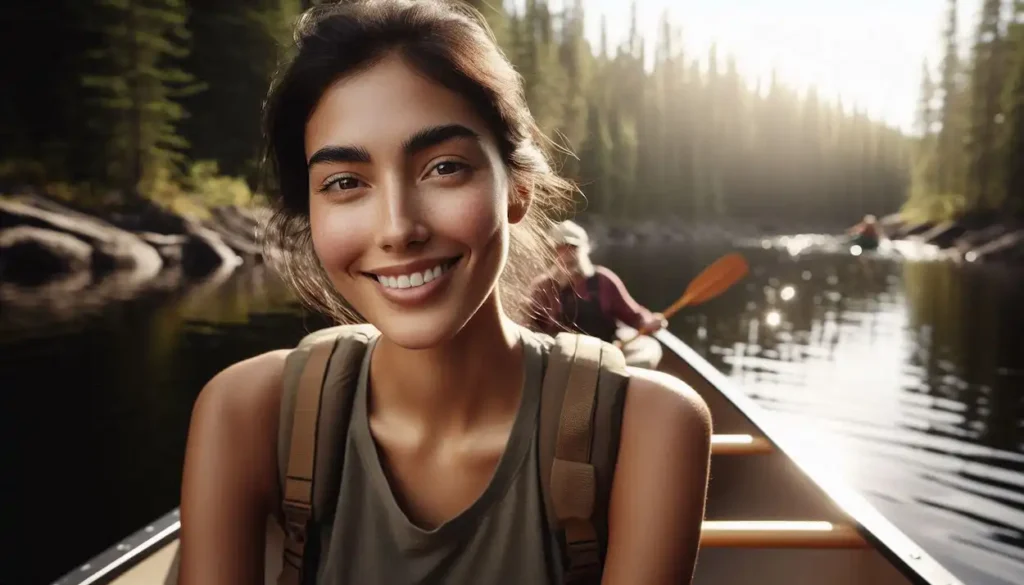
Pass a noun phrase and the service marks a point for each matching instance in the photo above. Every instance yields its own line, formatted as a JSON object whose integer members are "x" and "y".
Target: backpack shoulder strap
{"x": 583, "y": 396}
{"x": 316, "y": 404}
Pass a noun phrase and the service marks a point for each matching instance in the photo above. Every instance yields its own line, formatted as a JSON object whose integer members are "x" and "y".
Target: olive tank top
{"x": 501, "y": 538}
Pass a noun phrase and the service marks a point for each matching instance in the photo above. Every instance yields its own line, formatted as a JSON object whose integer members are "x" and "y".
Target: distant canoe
{"x": 776, "y": 516}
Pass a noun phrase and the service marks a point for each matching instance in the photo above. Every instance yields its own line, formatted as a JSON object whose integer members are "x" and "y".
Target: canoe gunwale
{"x": 904, "y": 554}
{"x": 128, "y": 552}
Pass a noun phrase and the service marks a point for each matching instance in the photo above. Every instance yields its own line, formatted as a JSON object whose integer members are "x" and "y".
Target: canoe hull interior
{"x": 769, "y": 486}
{"x": 755, "y": 478}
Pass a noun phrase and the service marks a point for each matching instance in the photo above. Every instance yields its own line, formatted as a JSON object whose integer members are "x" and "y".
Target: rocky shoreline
{"x": 50, "y": 250}
{"x": 979, "y": 237}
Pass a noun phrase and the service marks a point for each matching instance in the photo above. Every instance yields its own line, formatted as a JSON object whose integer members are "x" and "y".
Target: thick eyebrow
{"x": 418, "y": 142}
{"x": 435, "y": 135}
{"x": 339, "y": 154}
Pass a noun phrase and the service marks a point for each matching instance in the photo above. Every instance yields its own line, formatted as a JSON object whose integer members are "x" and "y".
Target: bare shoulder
{"x": 660, "y": 482}
{"x": 661, "y": 401}
{"x": 243, "y": 389}
{"x": 229, "y": 484}
{"x": 234, "y": 426}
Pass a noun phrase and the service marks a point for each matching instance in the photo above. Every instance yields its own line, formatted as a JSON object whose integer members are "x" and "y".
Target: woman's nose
{"x": 402, "y": 225}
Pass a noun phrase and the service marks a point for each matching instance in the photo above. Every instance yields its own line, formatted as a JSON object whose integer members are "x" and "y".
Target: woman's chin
{"x": 418, "y": 332}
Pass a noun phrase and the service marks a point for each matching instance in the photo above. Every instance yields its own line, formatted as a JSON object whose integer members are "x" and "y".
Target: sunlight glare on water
{"x": 902, "y": 376}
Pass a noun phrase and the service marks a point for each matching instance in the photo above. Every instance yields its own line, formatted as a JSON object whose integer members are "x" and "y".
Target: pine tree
{"x": 137, "y": 85}
{"x": 949, "y": 139}
{"x": 982, "y": 186}
{"x": 595, "y": 163}
{"x": 924, "y": 182}
{"x": 1012, "y": 129}
{"x": 573, "y": 58}
{"x": 224, "y": 122}
{"x": 926, "y": 115}
{"x": 622, "y": 173}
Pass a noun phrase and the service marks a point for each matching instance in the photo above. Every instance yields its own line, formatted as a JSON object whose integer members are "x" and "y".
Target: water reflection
{"x": 96, "y": 404}
{"x": 909, "y": 372}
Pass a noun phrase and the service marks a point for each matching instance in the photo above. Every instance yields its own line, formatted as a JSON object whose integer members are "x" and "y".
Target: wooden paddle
{"x": 713, "y": 281}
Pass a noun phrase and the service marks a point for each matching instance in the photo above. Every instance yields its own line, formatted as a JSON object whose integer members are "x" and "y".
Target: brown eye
{"x": 347, "y": 183}
{"x": 448, "y": 168}
{"x": 341, "y": 184}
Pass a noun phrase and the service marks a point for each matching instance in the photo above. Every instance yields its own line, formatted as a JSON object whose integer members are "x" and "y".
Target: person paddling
{"x": 576, "y": 295}
{"x": 867, "y": 233}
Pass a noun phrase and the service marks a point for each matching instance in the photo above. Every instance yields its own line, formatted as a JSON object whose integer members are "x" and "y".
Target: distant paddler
{"x": 576, "y": 295}
{"x": 866, "y": 234}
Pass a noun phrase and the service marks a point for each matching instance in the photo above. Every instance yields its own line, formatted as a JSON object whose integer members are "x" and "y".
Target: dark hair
{"x": 450, "y": 43}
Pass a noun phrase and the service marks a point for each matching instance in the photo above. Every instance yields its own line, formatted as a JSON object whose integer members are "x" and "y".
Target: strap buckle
{"x": 584, "y": 556}
{"x": 296, "y": 519}
{"x": 584, "y": 566}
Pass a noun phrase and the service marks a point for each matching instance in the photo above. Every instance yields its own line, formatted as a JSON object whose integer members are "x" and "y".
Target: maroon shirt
{"x": 616, "y": 302}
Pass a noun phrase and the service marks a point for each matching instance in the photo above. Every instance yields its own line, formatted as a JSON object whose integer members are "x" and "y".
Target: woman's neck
{"x": 472, "y": 378}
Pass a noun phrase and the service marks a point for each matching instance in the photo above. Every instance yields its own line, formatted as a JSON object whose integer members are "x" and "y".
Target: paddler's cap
{"x": 569, "y": 233}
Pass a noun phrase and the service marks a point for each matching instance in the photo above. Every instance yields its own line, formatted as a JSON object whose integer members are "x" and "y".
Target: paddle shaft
{"x": 711, "y": 282}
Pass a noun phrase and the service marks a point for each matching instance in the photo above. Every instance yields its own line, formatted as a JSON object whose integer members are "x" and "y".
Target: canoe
{"x": 775, "y": 514}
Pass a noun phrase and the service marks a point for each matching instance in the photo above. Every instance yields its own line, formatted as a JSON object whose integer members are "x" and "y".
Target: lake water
{"x": 910, "y": 373}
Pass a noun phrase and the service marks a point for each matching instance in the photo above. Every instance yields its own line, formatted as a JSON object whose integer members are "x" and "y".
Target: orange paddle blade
{"x": 713, "y": 281}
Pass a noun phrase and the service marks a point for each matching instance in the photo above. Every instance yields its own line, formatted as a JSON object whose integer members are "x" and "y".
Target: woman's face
{"x": 409, "y": 202}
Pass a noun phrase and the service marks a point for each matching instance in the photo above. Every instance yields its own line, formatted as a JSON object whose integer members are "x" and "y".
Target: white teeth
{"x": 412, "y": 280}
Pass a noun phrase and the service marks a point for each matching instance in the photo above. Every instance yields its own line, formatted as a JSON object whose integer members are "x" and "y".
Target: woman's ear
{"x": 519, "y": 201}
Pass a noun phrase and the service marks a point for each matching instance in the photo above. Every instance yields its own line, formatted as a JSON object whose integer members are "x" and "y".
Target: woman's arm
{"x": 230, "y": 481}
{"x": 660, "y": 483}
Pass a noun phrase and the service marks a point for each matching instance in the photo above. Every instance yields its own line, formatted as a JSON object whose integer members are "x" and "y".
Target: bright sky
{"x": 867, "y": 51}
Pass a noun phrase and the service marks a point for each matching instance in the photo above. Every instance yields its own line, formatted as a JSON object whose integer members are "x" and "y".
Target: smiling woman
{"x": 420, "y": 446}
{"x": 424, "y": 186}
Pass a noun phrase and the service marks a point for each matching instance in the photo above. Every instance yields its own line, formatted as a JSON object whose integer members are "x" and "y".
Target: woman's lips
{"x": 416, "y": 282}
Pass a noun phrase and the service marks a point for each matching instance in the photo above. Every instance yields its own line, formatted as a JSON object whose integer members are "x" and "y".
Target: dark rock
{"x": 169, "y": 246}
{"x": 912, "y": 229}
{"x": 242, "y": 245}
{"x": 978, "y": 237}
{"x": 205, "y": 252}
{"x": 31, "y": 255}
{"x": 145, "y": 216}
{"x": 242, "y": 222}
{"x": 112, "y": 248}
{"x": 1009, "y": 245}
{"x": 942, "y": 235}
